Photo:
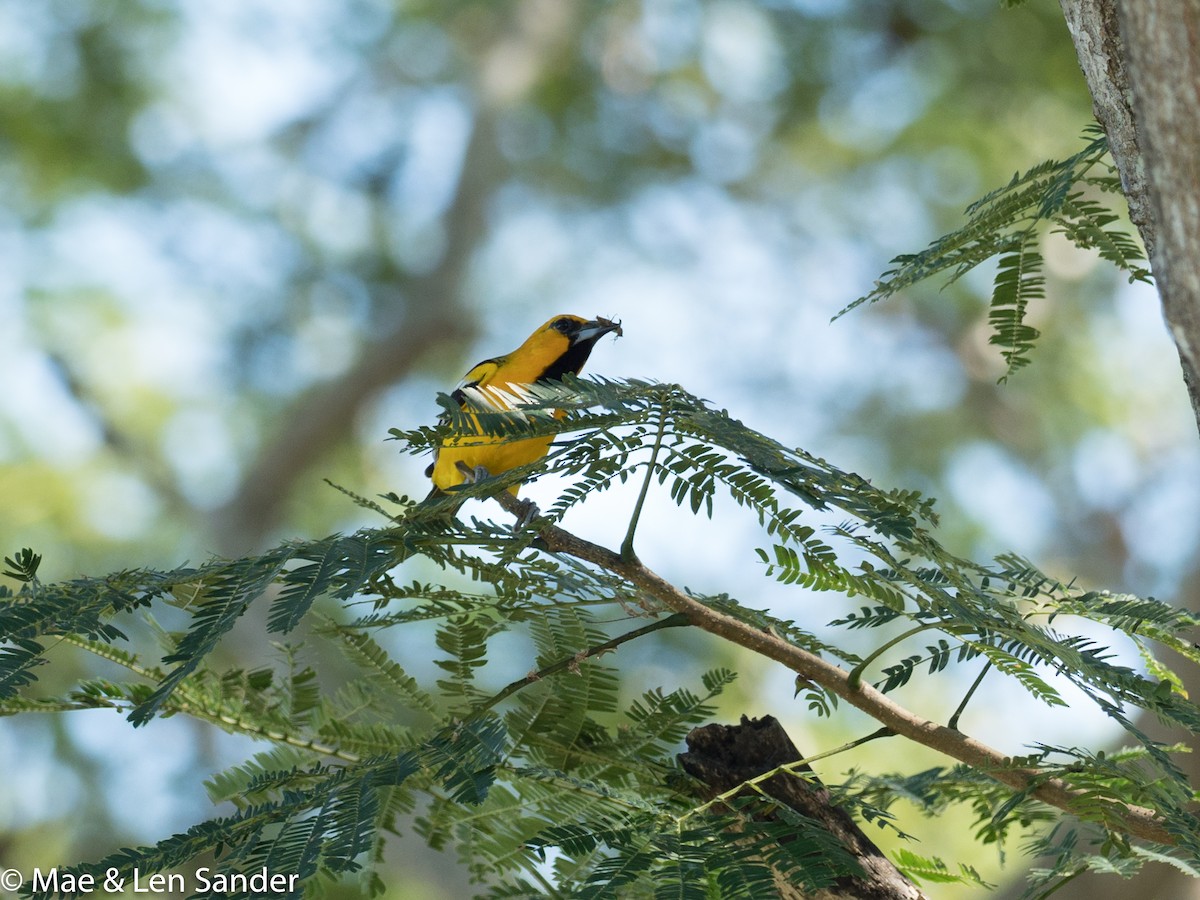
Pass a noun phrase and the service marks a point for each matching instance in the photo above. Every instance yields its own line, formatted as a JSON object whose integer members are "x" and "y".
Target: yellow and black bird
{"x": 559, "y": 347}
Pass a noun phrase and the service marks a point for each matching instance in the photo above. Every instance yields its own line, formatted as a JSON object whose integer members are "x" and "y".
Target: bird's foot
{"x": 472, "y": 476}
{"x": 529, "y": 512}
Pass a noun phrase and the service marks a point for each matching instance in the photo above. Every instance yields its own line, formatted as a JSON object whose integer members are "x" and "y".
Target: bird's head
{"x": 579, "y": 330}
{"x": 570, "y": 338}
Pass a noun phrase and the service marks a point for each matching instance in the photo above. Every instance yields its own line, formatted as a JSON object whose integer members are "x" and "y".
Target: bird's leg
{"x": 529, "y": 510}
{"x": 472, "y": 476}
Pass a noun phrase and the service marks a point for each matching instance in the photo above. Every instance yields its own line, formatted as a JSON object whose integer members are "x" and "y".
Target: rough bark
{"x": 1163, "y": 39}
{"x": 1141, "y": 59}
{"x": 726, "y": 756}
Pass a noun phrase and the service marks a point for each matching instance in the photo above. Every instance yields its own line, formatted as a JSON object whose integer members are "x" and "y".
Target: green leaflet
{"x": 1007, "y": 224}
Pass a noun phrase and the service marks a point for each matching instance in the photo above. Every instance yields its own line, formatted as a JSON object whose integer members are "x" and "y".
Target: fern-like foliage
{"x": 558, "y": 777}
{"x": 1067, "y": 196}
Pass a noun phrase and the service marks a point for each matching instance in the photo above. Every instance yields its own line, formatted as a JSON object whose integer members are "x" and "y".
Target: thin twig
{"x": 673, "y": 621}
{"x": 627, "y": 553}
{"x": 953, "y": 723}
{"x": 857, "y": 672}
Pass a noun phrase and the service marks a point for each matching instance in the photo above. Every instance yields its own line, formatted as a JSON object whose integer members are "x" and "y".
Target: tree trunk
{"x": 724, "y": 757}
{"x": 1141, "y": 59}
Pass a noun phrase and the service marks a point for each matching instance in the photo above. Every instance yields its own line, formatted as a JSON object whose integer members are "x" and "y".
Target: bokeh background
{"x": 240, "y": 239}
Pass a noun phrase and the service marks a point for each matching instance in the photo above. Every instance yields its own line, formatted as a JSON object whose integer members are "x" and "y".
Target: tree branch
{"x": 435, "y": 317}
{"x": 1133, "y": 820}
{"x": 434, "y": 321}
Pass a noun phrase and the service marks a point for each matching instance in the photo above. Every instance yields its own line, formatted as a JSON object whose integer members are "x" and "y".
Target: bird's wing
{"x": 480, "y": 375}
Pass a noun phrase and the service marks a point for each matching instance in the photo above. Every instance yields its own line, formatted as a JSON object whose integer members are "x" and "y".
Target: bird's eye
{"x": 564, "y": 325}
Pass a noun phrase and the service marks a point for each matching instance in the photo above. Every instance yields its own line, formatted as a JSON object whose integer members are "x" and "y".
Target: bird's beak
{"x": 596, "y": 329}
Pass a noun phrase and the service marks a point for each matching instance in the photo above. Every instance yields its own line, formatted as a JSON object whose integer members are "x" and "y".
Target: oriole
{"x": 560, "y": 346}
